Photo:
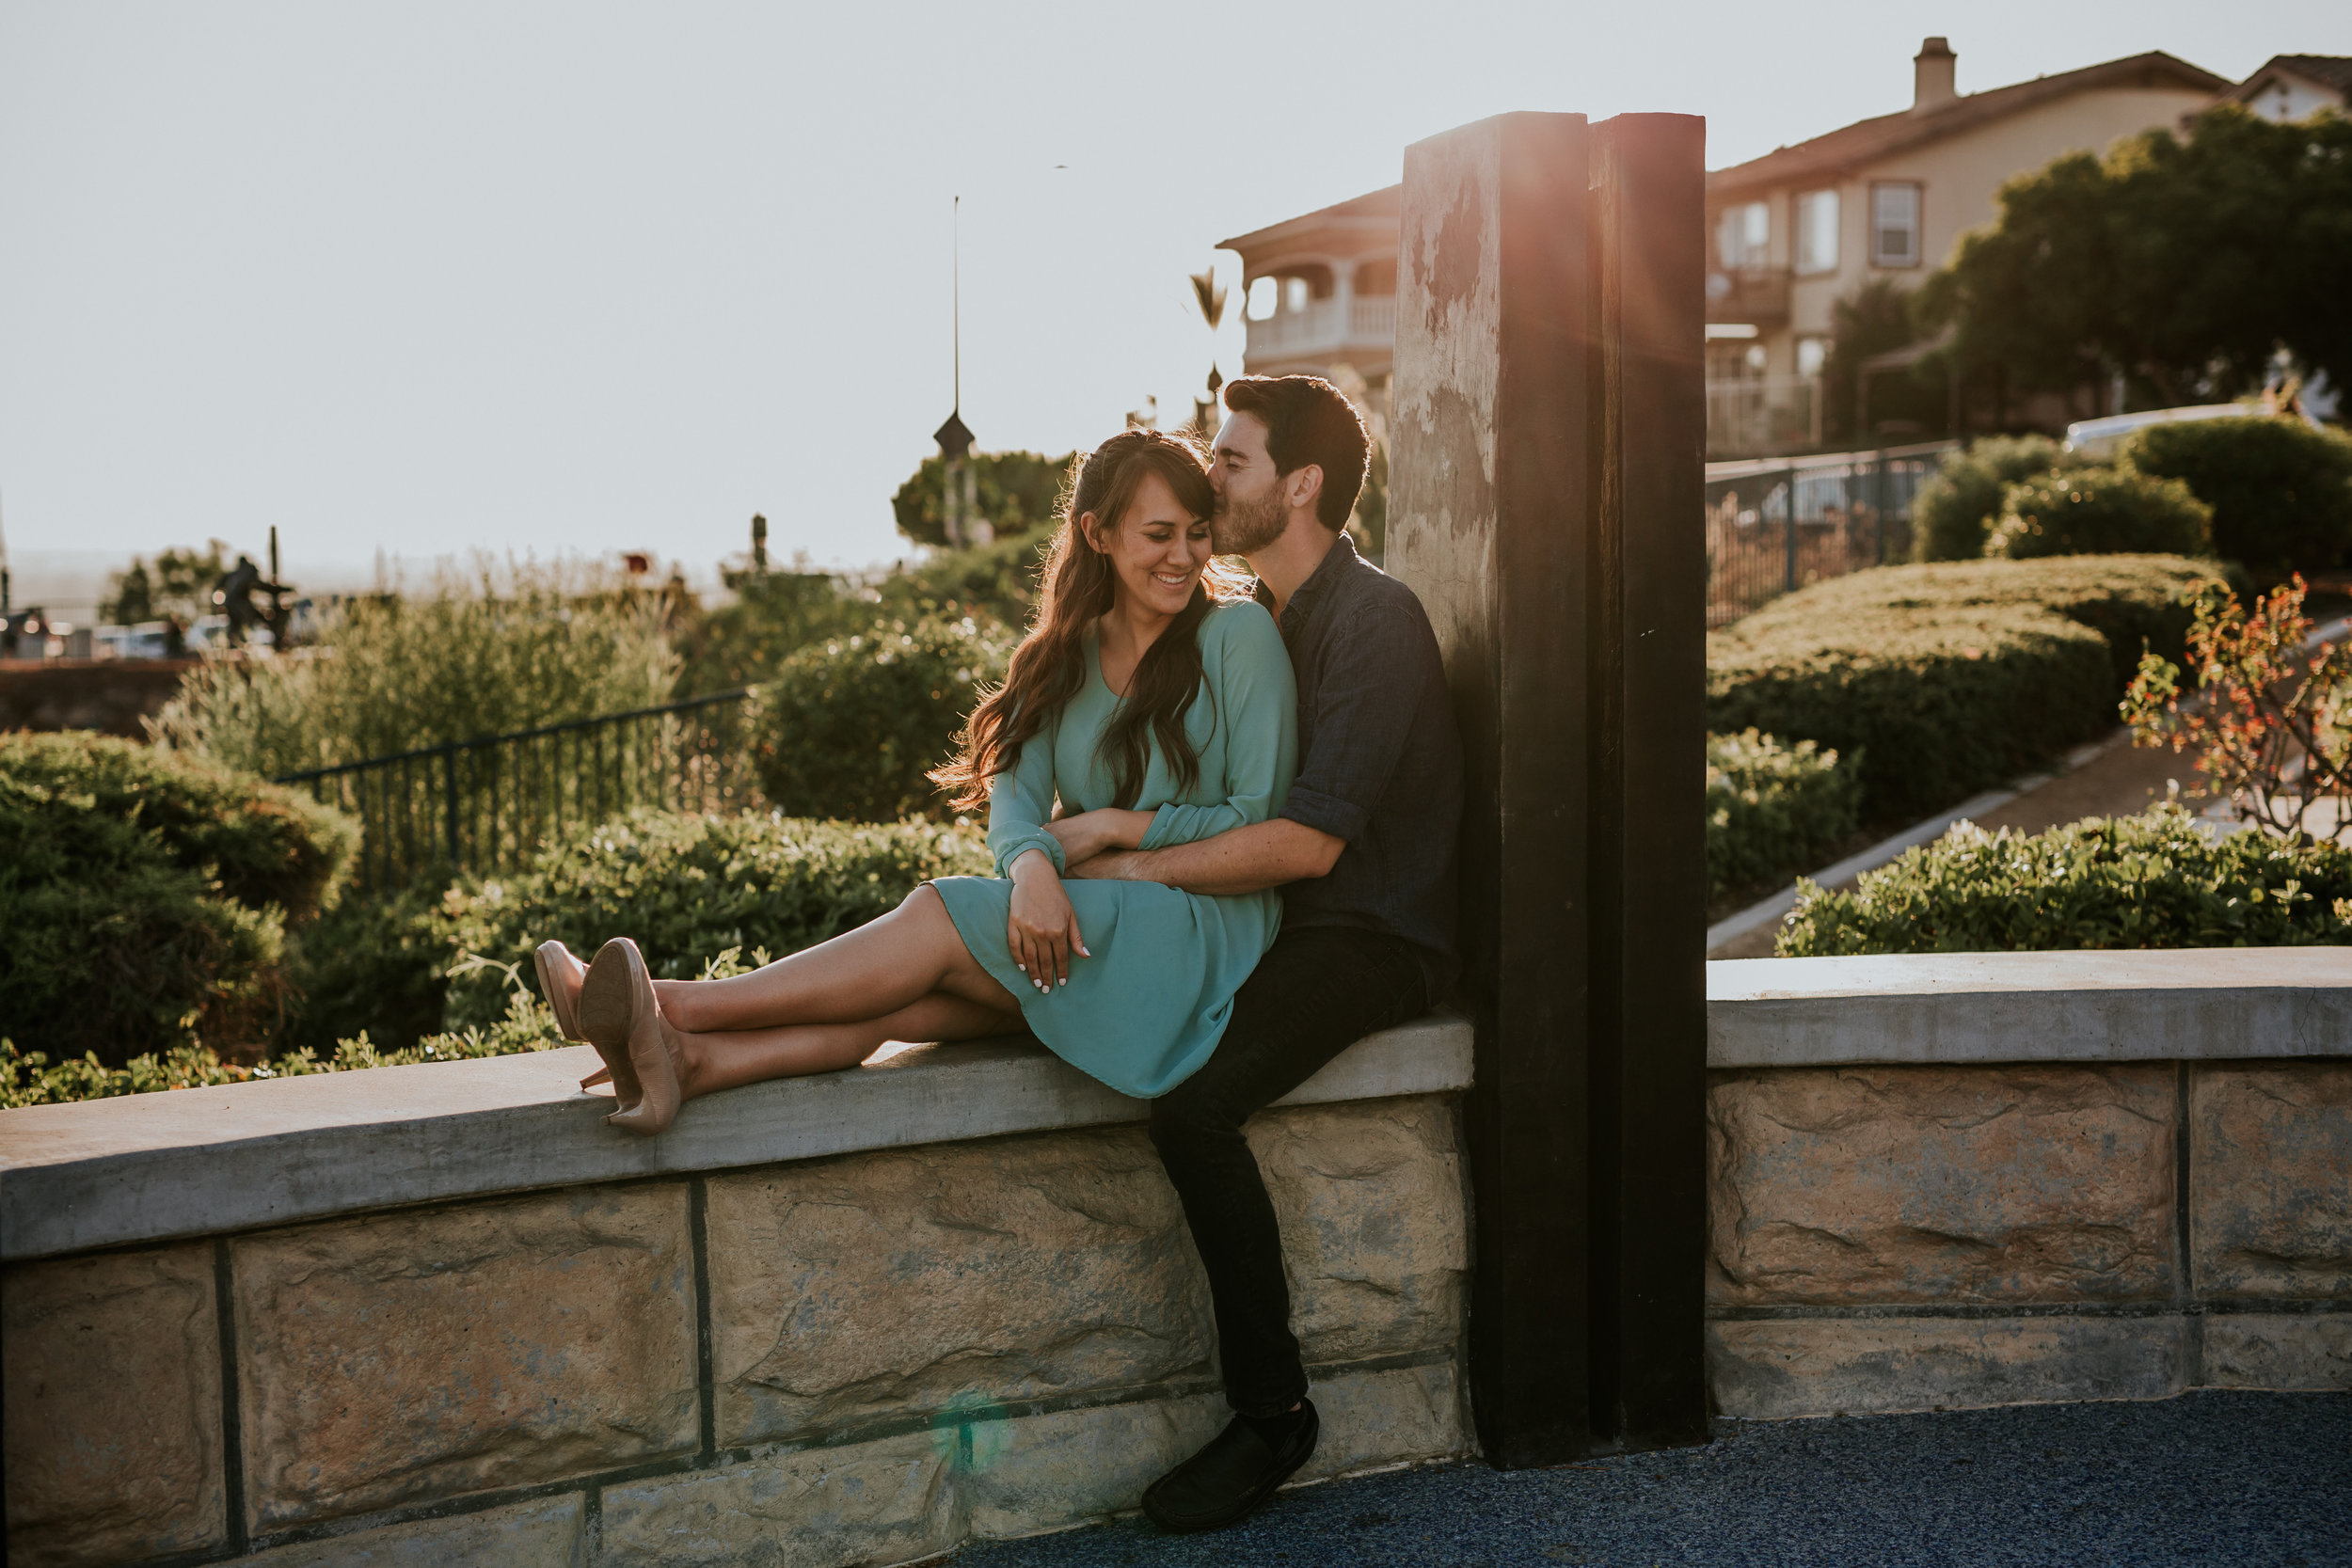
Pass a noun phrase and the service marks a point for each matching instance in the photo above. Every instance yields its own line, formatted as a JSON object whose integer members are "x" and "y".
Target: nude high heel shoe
{"x": 623, "y": 1022}
{"x": 560, "y": 979}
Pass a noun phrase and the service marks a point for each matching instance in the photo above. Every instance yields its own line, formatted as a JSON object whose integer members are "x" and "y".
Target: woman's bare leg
{"x": 857, "y": 978}
{"x": 730, "y": 1058}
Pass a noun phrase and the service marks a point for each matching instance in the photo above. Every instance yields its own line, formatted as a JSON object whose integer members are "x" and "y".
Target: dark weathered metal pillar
{"x": 1547, "y": 430}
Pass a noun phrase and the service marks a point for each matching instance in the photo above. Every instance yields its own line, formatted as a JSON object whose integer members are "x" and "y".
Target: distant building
{"x": 1803, "y": 226}
{"x": 1321, "y": 293}
{"x": 2294, "y": 86}
{"x": 1790, "y": 233}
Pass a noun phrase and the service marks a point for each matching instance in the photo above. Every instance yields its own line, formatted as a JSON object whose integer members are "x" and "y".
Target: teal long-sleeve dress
{"x": 1144, "y": 1012}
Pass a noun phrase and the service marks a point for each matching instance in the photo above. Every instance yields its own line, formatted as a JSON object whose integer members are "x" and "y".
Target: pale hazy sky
{"x": 584, "y": 276}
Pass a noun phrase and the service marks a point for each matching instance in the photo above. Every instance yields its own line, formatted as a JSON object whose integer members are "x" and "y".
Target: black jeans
{"x": 1317, "y": 992}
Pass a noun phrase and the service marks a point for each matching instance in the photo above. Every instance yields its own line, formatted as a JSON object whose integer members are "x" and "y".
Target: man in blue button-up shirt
{"x": 1363, "y": 850}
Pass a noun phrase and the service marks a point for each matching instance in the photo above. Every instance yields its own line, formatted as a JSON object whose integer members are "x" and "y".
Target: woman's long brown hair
{"x": 1049, "y": 667}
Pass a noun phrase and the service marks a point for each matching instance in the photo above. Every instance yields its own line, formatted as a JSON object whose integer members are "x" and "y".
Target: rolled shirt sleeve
{"x": 1362, "y": 723}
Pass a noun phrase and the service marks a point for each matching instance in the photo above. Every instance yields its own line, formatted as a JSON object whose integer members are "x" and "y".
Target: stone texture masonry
{"x": 1038, "y": 1289}
{"x": 1905, "y": 1237}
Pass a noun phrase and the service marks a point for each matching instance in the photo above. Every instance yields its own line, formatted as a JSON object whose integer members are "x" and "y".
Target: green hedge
{"x": 2281, "y": 491}
{"x": 1956, "y": 509}
{"x": 1772, "y": 808}
{"x": 1952, "y": 678}
{"x": 145, "y": 896}
{"x": 850, "y": 726}
{"x": 2100, "y": 511}
{"x": 2151, "y": 880}
{"x": 688, "y": 888}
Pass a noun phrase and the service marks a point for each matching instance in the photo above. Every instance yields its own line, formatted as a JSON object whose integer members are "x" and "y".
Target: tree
{"x": 2183, "y": 265}
{"x": 1877, "y": 318}
{"x": 179, "y": 584}
{"x": 1018, "y": 490}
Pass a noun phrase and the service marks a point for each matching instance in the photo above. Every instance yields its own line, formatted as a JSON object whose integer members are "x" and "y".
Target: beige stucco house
{"x": 1803, "y": 226}
{"x": 1791, "y": 233}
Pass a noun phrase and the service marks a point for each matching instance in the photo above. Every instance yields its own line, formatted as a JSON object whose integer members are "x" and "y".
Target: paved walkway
{"x": 2216, "y": 1480}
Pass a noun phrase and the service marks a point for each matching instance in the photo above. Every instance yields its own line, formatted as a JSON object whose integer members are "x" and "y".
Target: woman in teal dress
{"x": 1152, "y": 703}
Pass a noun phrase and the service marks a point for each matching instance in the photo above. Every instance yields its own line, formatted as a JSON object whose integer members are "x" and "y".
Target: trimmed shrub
{"x": 1955, "y": 509}
{"x": 2151, "y": 881}
{"x": 146, "y": 897}
{"x": 1952, "y": 678}
{"x": 850, "y": 726}
{"x": 2281, "y": 491}
{"x": 1773, "y": 807}
{"x": 688, "y": 888}
{"x": 2099, "y": 511}
{"x": 375, "y": 966}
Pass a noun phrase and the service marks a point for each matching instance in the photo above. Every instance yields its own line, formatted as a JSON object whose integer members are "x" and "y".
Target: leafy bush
{"x": 1955, "y": 509}
{"x": 146, "y": 897}
{"x": 2100, "y": 511}
{"x": 375, "y": 965}
{"x": 688, "y": 888}
{"x": 530, "y": 645}
{"x": 2151, "y": 880}
{"x": 850, "y": 726}
{"x": 2281, "y": 491}
{"x": 1773, "y": 807}
{"x": 1951, "y": 678}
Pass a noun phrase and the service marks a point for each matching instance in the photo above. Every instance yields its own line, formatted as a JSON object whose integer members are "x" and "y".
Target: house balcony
{"x": 1756, "y": 295}
{"x": 1361, "y": 330}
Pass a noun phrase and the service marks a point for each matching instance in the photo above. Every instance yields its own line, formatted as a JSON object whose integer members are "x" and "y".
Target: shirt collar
{"x": 1336, "y": 562}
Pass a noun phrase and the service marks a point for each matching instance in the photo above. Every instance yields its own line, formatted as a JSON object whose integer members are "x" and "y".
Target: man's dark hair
{"x": 1307, "y": 420}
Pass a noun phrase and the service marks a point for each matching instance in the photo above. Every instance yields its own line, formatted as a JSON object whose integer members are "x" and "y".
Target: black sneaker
{"x": 1235, "y": 1472}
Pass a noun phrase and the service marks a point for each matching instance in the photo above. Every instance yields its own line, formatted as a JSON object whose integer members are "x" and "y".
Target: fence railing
{"x": 1776, "y": 523}
{"x": 487, "y": 803}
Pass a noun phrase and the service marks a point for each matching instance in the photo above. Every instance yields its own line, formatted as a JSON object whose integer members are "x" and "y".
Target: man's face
{"x": 1251, "y": 514}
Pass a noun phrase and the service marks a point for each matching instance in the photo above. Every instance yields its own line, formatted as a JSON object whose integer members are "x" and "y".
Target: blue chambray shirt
{"x": 1379, "y": 758}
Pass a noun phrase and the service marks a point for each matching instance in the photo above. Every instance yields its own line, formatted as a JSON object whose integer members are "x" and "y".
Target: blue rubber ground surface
{"x": 2212, "y": 1478}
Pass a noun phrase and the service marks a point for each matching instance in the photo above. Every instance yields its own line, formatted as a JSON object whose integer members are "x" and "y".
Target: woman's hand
{"x": 1042, "y": 930}
{"x": 1093, "y": 832}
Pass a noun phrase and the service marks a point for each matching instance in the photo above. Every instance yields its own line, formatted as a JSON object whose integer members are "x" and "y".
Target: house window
{"x": 1894, "y": 225}
{"x": 1817, "y": 232}
{"x": 1743, "y": 236}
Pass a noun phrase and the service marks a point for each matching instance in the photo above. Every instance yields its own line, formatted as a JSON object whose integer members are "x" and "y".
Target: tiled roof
{"x": 1869, "y": 140}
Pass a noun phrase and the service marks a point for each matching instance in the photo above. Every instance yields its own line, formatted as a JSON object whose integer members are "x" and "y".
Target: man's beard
{"x": 1248, "y": 526}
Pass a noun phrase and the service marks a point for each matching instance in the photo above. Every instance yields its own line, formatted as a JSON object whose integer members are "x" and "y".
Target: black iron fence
{"x": 1775, "y": 524}
{"x": 485, "y": 804}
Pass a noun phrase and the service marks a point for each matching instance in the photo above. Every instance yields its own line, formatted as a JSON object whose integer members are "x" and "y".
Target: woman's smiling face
{"x": 1157, "y": 551}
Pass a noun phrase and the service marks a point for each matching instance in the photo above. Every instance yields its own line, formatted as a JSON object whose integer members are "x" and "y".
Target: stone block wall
{"x": 1915, "y": 1237}
{"x": 870, "y": 1356}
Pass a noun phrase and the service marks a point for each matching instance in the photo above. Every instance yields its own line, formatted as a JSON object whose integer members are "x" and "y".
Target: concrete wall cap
{"x": 2180, "y": 1004}
{"x": 201, "y": 1162}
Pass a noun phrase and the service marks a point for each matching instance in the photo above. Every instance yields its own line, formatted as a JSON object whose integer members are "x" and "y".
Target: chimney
{"x": 1931, "y": 76}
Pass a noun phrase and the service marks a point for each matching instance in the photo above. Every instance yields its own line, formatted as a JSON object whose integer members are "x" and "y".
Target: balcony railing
{"x": 1757, "y": 296}
{"x": 1326, "y": 326}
